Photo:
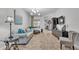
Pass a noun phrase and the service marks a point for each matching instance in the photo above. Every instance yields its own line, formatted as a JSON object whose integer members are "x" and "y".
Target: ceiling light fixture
{"x": 39, "y": 14}
{"x": 31, "y": 13}
{"x": 35, "y": 12}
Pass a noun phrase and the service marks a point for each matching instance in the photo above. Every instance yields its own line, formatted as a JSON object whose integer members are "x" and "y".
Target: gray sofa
{"x": 24, "y": 37}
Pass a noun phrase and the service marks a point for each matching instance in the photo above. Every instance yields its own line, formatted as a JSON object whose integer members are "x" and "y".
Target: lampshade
{"x": 9, "y": 19}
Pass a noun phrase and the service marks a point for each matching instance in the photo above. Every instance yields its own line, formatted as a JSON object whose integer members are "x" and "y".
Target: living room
{"x": 34, "y": 26}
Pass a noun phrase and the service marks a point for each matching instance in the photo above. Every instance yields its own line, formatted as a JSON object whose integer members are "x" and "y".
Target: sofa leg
{"x": 61, "y": 46}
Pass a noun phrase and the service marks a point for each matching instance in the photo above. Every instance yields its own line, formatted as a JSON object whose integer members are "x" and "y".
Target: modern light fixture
{"x": 39, "y": 14}
{"x": 31, "y": 13}
{"x": 35, "y": 12}
{"x": 10, "y": 20}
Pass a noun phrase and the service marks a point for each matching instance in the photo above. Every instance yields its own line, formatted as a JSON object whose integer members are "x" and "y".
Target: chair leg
{"x": 60, "y": 46}
{"x": 15, "y": 47}
{"x": 73, "y": 47}
{"x": 58, "y": 38}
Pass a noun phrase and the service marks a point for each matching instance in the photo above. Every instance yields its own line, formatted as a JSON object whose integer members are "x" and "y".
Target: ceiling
{"x": 43, "y": 11}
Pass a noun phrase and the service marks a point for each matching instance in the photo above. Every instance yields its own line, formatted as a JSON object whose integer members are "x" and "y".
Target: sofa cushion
{"x": 21, "y": 30}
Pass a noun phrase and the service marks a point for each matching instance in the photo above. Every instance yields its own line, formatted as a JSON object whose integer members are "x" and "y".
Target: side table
{"x": 8, "y": 43}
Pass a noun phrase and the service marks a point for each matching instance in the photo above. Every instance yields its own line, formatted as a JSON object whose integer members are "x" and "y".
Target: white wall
{"x": 47, "y": 17}
{"x": 71, "y": 17}
{"x": 4, "y": 27}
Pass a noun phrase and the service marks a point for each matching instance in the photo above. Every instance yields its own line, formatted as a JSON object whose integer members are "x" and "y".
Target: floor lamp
{"x": 10, "y": 20}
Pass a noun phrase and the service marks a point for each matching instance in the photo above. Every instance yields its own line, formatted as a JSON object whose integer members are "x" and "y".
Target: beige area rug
{"x": 42, "y": 41}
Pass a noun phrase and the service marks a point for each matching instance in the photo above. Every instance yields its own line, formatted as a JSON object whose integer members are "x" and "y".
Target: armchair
{"x": 69, "y": 42}
{"x": 76, "y": 42}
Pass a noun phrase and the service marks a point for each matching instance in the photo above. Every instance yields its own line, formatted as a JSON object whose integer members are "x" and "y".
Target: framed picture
{"x": 61, "y": 20}
{"x": 18, "y": 20}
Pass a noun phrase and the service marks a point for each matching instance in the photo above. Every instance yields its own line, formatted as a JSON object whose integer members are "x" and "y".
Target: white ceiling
{"x": 43, "y": 11}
